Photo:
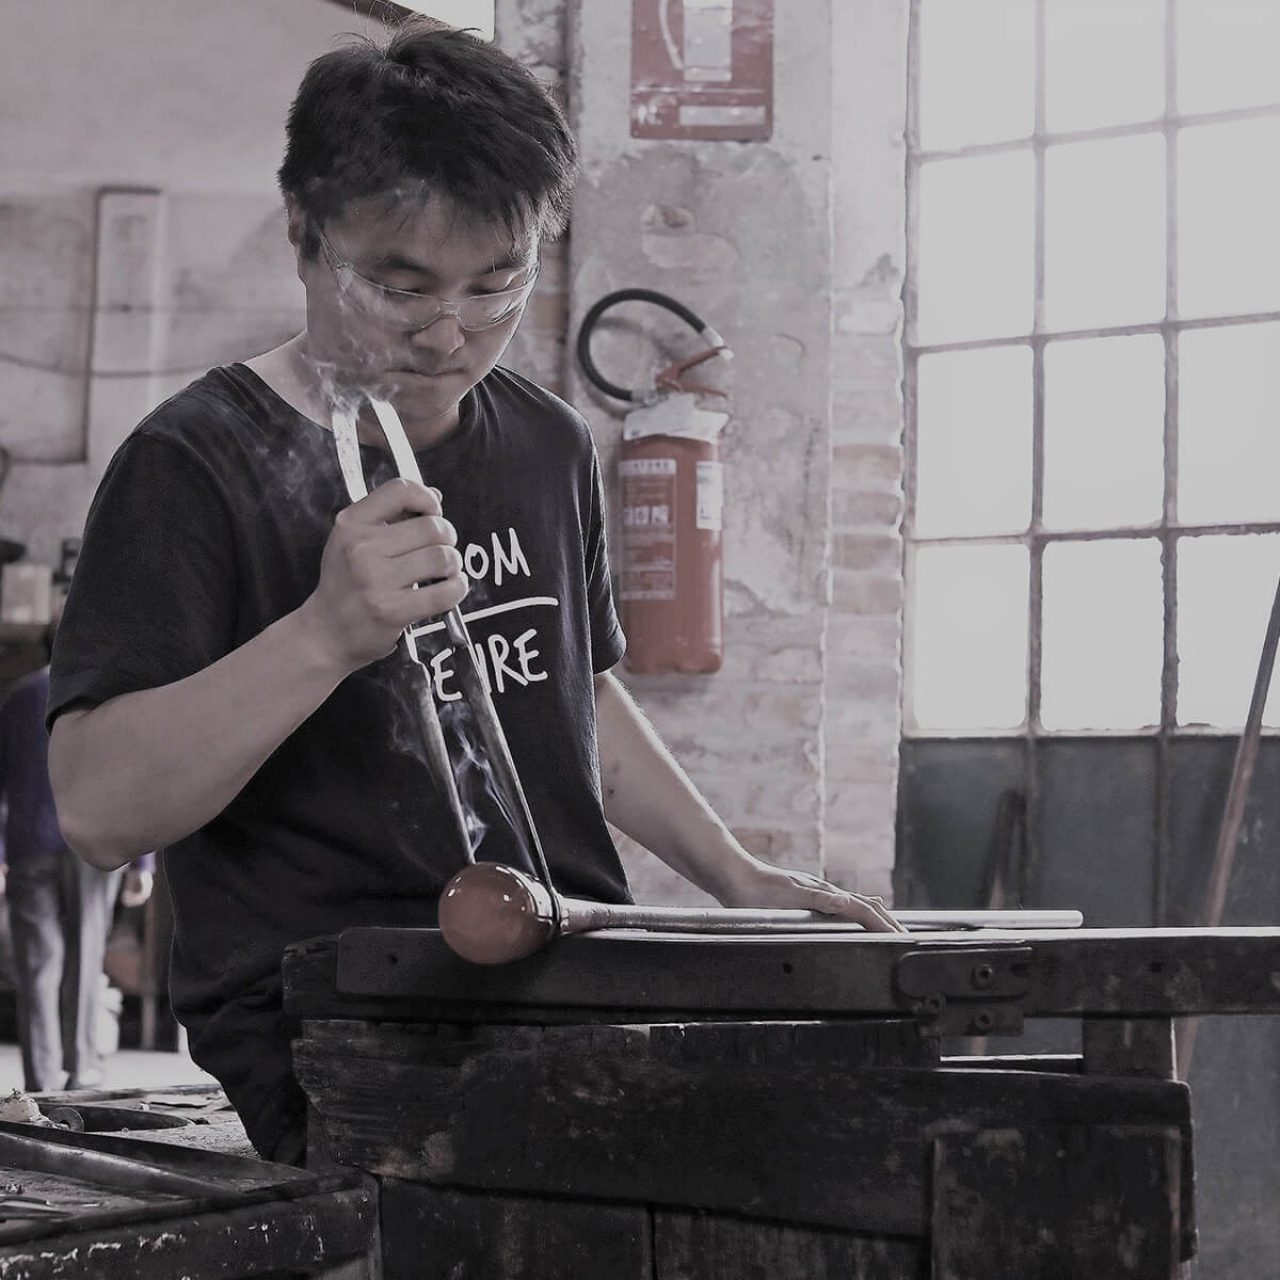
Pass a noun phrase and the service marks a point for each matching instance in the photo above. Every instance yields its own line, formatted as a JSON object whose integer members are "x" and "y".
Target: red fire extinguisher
{"x": 671, "y": 486}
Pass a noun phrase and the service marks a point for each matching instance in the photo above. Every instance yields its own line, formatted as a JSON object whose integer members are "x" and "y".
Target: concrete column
{"x": 863, "y": 674}
{"x": 742, "y": 233}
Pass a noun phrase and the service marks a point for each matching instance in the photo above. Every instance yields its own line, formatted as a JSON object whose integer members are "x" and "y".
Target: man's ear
{"x": 296, "y": 227}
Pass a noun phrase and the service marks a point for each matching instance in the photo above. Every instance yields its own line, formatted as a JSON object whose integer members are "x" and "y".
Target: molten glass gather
{"x": 491, "y": 914}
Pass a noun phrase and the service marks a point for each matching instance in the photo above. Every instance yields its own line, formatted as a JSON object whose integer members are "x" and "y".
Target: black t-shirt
{"x": 208, "y": 527}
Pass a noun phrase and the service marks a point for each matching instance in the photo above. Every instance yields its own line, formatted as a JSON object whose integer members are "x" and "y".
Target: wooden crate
{"x": 715, "y": 1151}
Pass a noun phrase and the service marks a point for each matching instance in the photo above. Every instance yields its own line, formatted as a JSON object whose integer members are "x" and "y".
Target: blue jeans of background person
{"x": 60, "y": 913}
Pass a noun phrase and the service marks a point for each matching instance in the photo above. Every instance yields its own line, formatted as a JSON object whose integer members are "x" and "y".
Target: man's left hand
{"x": 764, "y": 885}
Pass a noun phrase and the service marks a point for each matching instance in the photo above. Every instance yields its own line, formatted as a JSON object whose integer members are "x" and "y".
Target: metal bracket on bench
{"x": 965, "y": 991}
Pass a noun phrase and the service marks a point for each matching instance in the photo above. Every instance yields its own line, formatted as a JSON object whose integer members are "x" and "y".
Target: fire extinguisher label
{"x": 710, "y": 495}
{"x": 631, "y": 467}
{"x": 648, "y": 529}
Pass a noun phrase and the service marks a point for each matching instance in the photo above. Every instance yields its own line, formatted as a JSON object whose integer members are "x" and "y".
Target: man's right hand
{"x": 390, "y": 562}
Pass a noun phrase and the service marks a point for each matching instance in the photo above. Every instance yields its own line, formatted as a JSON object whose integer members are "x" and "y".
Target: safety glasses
{"x": 408, "y": 309}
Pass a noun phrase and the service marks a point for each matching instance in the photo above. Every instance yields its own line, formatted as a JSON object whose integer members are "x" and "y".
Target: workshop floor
{"x": 127, "y": 1069}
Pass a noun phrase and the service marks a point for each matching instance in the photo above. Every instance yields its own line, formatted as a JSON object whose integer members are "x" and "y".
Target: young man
{"x": 227, "y": 683}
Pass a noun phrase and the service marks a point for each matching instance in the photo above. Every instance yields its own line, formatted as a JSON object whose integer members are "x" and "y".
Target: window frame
{"x": 1169, "y": 531}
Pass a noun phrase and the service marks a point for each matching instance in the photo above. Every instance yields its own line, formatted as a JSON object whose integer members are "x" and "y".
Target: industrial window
{"x": 1092, "y": 367}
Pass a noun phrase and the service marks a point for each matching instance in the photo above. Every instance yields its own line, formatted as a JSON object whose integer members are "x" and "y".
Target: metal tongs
{"x": 511, "y": 793}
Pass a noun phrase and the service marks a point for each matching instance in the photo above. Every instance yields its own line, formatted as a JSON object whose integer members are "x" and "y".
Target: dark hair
{"x": 435, "y": 111}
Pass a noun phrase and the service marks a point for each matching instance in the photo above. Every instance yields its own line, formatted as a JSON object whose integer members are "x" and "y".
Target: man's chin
{"x": 421, "y": 398}
{"x": 414, "y": 394}
{"x": 413, "y": 384}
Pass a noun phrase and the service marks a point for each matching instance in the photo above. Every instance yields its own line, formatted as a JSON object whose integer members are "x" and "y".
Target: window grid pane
{"x": 1104, "y": 63}
{"x": 1104, "y": 432}
{"x": 969, "y": 637}
{"x": 1226, "y": 585}
{"x": 973, "y": 414}
{"x": 1103, "y": 616}
{"x": 958, "y": 43}
{"x": 1105, "y": 258}
{"x": 1194, "y": 314}
{"x": 974, "y": 247}
{"x": 1228, "y": 433}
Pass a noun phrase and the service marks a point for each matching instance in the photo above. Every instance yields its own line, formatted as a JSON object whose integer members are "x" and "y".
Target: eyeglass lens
{"x": 418, "y": 310}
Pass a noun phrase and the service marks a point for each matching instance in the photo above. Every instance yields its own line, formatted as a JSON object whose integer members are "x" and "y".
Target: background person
{"x": 60, "y": 907}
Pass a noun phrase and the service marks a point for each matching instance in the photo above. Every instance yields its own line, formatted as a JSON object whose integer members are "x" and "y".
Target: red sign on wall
{"x": 702, "y": 69}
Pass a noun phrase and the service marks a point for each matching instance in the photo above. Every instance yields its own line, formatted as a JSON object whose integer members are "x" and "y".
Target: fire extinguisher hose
{"x": 592, "y": 318}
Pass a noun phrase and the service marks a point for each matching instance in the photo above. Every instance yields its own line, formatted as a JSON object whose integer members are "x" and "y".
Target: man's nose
{"x": 444, "y": 335}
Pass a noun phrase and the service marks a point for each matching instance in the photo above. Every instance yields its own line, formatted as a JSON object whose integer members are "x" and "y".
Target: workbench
{"x": 636, "y": 1105}
{"x": 162, "y": 1184}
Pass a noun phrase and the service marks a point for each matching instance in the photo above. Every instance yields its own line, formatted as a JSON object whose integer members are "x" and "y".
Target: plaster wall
{"x": 185, "y": 96}
{"x": 141, "y": 232}
{"x": 110, "y": 301}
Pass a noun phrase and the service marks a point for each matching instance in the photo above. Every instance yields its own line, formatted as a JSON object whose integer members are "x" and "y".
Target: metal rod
{"x": 500, "y": 759}
{"x": 38, "y": 1152}
{"x": 656, "y": 919}
{"x": 492, "y": 914}
{"x": 438, "y": 762}
{"x": 1021, "y": 338}
{"x": 474, "y": 688}
{"x": 1152, "y": 124}
{"x": 1233, "y": 812}
{"x": 347, "y": 443}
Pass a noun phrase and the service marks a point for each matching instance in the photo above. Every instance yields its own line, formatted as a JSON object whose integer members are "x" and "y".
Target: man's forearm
{"x": 649, "y": 797}
{"x": 147, "y": 768}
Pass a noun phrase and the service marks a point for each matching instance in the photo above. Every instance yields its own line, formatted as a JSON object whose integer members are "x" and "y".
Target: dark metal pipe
{"x": 1233, "y": 812}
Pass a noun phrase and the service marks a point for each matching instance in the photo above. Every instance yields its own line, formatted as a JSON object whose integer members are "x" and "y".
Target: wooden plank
{"x": 1063, "y": 1201}
{"x": 849, "y": 1045}
{"x": 1136, "y": 973}
{"x": 714, "y": 1246}
{"x": 311, "y": 990}
{"x": 1057, "y": 1063}
{"x": 434, "y": 1234}
{"x": 627, "y": 1127}
{"x": 302, "y": 1236}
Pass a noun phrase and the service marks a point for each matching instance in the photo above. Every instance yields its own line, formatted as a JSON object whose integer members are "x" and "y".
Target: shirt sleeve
{"x": 6, "y": 731}
{"x": 152, "y": 600}
{"x": 608, "y": 643}
{"x": 6, "y": 714}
